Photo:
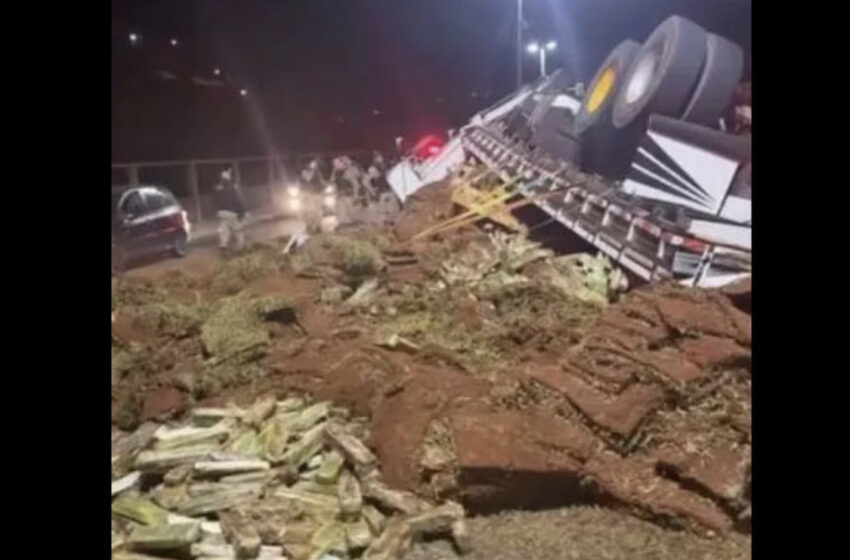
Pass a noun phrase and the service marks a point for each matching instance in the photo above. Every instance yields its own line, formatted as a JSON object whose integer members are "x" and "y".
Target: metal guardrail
{"x": 278, "y": 169}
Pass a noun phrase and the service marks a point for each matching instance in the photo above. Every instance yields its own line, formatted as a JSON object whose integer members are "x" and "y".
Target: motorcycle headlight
{"x": 330, "y": 200}
{"x": 295, "y": 204}
{"x": 330, "y": 190}
{"x": 293, "y": 191}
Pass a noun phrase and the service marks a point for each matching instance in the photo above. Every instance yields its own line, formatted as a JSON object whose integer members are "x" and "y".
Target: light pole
{"x": 534, "y": 48}
{"x": 518, "y": 44}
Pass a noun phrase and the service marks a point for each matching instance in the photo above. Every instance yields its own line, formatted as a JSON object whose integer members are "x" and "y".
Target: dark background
{"x": 348, "y": 74}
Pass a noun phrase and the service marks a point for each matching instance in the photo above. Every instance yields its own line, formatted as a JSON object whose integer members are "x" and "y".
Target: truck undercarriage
{"x": 639, "y": 166}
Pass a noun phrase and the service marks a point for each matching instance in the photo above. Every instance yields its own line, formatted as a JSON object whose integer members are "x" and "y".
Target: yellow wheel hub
{"x": 601, "y": 89}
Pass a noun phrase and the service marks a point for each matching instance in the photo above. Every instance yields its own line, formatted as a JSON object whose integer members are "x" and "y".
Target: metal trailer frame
{"x": 619, "y": 226}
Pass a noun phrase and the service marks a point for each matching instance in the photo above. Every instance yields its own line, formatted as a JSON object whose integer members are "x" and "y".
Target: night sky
{"x": 347, "y": 74}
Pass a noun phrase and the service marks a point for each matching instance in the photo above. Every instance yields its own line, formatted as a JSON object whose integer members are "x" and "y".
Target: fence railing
{"x": 263, "y": 179}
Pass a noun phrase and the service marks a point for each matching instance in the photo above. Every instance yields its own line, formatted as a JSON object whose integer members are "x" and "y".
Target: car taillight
{"x": 181, "y": 219}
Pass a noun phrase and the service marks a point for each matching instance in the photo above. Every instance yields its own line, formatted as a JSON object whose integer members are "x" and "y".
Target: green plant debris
{"x": 235, "y": 331}
{"x": 441, "y": 337}
{"x": 173, "y": 319}
{"x": 353, "y": 260}
{"x": 518, "y": 293}
{"x": 210, "y": 379}
{"x": 131, "y": 367}
{"x": 131, "y": 292}
{"x": 234, "y": 274}
{"x": 336, "y": 294}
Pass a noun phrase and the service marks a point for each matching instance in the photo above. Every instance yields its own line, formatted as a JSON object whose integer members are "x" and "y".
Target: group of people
{"x": 364, "y": 186}
{"x": 347, "y": 176}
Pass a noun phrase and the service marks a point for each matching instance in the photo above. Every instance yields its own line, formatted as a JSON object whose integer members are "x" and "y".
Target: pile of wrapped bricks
{"x": 281, "y": 479}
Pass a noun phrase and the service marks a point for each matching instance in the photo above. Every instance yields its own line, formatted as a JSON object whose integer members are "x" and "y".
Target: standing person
{"x": 231, "y": 212}
{"x": 312, "y": 176}
{"x": 377, "y": 174}
{"x": 337, "y": 170}
{"x": 379, "y": 162}
{"x": 354, "y": 176}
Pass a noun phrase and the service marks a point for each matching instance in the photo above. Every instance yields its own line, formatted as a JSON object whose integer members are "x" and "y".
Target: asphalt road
{"x": 204, "y": 244}
{"x": 202, "y": 248}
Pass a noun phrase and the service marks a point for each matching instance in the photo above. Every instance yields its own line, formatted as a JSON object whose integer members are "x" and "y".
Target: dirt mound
{"x": 491, "y": 370}
{"x": 650, "y": 411}
{"x": 429, "y": 206}
{"x": 172, "y": 344}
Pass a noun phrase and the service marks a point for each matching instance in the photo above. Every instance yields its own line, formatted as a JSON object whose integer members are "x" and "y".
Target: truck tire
{"x": 605, "y": 85}
{"x": 607, "y": 150}
{"x": 724, "y": 64}
{"x": 663, "y": 74}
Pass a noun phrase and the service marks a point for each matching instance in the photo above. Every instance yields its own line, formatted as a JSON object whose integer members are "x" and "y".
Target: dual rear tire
{"x": 680, "y": 71}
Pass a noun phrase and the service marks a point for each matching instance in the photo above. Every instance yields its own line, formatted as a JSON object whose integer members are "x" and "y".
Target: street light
{"x": 217, "y": 71}
{"x": 174, "y": 42}
{"x": 518, "y": 44}
{"x": 243, "y": 92}
{"x": 535, "y": 48}
{"x": 134, "y": 38}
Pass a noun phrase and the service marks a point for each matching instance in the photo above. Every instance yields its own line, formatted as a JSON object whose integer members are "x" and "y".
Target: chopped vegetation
{"x": 236, "y": 272}
{"x": 235, "y": 332}
{"x": 349, "y": 260}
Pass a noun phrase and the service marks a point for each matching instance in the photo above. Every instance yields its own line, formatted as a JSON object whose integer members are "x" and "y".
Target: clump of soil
{"x": 164, "y": 348}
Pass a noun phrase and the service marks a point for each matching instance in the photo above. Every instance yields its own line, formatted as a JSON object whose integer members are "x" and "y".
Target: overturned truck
{"x": 651, "y": 165}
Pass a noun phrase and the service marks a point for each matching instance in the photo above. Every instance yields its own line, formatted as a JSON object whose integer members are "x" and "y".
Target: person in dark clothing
{"x": 379, "y": 162}
{"x": 312, "y": 177}
{"x": 231, "y": 212}
{"x": 377, "y": 174}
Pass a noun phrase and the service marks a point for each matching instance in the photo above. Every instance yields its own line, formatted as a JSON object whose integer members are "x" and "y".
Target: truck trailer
{"x": 651, "y": 162}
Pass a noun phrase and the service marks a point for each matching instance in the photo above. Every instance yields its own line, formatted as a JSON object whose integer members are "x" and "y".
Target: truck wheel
{"x": 663, "y": 74}
{"x": 607, "y": 150}
{"x": 605, "y": 85}
{"x": 724, "y": 64}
